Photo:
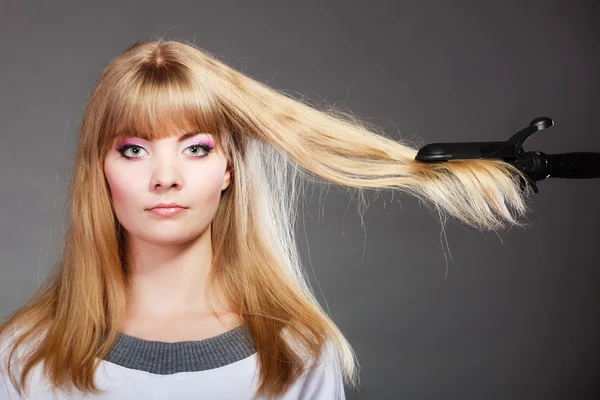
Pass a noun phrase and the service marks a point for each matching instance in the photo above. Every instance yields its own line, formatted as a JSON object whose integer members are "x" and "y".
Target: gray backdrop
{"x": 457, "y": 314}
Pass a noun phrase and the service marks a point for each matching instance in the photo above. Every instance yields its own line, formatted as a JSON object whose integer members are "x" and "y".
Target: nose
{"x": 166, "y": 175}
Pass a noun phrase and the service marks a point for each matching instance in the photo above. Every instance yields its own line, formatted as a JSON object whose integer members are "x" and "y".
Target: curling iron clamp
{"x": 536, "y": 165}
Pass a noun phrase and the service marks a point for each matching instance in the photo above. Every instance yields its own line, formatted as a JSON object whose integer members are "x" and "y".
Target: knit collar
{"x": 168, "y": 358}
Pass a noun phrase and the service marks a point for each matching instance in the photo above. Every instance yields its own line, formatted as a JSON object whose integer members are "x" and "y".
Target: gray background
{"x": 508, "y": 315}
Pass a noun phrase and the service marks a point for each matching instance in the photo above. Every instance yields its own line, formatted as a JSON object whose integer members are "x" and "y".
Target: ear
{"x": 226, "y": 178}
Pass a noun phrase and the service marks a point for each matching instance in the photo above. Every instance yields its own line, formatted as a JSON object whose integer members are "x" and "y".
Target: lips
{"x": 167, "y": 205}
{"x": 167, "y": 209}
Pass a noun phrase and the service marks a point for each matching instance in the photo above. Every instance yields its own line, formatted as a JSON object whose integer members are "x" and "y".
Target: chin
{"x": 167, "y": 241}
{"x": 165, "y": 236}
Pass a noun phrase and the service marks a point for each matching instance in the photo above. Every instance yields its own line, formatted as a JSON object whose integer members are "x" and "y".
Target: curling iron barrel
{"x": 535, "y": 164}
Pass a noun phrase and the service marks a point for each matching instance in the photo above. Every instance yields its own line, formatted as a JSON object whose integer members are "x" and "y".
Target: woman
{"x": 208, "y": 295}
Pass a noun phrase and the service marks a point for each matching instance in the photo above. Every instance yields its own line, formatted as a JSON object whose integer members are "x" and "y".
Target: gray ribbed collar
{"x": 169, "y": 358}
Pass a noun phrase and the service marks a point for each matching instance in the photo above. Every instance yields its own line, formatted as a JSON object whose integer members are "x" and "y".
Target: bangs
{"x": 159, "y": 102}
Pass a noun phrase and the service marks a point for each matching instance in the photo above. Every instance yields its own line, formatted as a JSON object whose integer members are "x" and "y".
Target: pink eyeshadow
{"x": 131, "y": 142}
{"x": 206, "y": 142}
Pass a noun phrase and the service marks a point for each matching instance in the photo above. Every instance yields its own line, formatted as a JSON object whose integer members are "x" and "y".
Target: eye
{"x": 201, "y": 149}
{"x": 197, "y": 150}
{"x": 133, "y": 147}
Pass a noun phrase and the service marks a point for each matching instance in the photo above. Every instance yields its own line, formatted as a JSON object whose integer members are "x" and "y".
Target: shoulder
{"x": 323, "y": 379}
{"x": 8, "y": 339}
{"x": 7, "y": 390}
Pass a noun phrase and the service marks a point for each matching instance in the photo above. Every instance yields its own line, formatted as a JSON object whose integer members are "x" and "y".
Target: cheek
{"x": 119, "y": 193}
{"x": 121, "y": 189}
{"x": 208, "y": 184}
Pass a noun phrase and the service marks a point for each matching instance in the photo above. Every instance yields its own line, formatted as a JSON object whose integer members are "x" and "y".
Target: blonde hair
{"x": 155, "y": 89}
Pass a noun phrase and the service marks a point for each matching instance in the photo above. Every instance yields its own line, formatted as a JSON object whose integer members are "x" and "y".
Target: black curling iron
{"x": 536, "y": 165}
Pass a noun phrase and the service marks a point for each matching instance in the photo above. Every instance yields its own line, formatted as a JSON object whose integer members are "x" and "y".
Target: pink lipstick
{"x": 167, "y": 210}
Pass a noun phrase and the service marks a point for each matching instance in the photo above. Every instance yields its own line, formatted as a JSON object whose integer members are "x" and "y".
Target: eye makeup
{"x": 206, "y": 145}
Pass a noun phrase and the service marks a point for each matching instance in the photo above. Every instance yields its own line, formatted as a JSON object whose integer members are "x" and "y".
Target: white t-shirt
{"x": 221, "y": 367}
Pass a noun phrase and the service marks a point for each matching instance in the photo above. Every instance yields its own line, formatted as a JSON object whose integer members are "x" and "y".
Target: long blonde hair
{"x": 155, "y": 89}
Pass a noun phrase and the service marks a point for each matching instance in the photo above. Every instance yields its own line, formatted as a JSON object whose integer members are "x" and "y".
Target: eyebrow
{"x": 187, "y": 136}
{"x": 181, "y": 138}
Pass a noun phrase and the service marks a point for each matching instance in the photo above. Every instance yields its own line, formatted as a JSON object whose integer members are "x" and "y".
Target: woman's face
{"x": 188, "y": 171}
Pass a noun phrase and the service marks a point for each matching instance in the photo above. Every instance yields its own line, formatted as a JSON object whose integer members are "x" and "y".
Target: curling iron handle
{"x": 574, "y": 165}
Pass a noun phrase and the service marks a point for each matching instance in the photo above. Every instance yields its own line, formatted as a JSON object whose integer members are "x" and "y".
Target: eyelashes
{"x": 126, "y": 147}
